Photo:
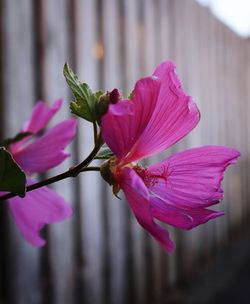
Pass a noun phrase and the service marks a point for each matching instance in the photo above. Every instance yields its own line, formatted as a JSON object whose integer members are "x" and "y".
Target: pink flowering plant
{"x": 37, "y": 154}
{"x": 176, "y": 191}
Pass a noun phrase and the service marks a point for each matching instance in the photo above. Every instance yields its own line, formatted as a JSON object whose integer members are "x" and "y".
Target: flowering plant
{"x": 176, "y": 191}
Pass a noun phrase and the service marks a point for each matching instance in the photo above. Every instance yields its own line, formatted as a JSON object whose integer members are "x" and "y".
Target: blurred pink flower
{"x": 36, "y": 155}
{"x": 178, "y": 190}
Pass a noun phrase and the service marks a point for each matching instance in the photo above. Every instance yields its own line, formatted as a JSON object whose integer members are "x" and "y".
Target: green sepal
{"x": 131, "y": 95}
{"x": 104, "y": 153}
{"x": 12, "y": 177}
{"x": 85, "y": 100}
{"x": 98, "y": 94}
{"x": 8, "y": 141}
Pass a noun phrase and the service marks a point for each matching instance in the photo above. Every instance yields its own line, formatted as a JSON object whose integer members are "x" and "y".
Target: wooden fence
{"x": 101, "y": 255}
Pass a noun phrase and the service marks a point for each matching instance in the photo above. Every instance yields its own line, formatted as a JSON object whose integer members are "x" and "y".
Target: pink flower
{"x": 36, "y": 155}
{"x": 178, "y": 190}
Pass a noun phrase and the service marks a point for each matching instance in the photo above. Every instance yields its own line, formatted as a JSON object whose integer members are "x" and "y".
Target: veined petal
{"x": 191, "y": 179}
{"x": 161, "y": 115}
{"x": 126, "y": 120}
{"x": 47, "y": 151}
{"x": 41, "y": 115}
{"x": 174, "y": 116}
{"x": 185, "y": 218}
{"x": 37, "y": 209}
{"x": 138, "y": 199}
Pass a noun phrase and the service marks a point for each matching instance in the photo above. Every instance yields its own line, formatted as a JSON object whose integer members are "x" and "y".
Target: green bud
{"x": 104, "y": 101}
{"x": 102, "y": 105}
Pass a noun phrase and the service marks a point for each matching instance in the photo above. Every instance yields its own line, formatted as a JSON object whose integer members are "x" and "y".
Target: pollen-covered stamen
{"x": 152, "y": 178}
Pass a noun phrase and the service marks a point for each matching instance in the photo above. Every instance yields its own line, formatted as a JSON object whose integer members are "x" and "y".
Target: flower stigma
{"x": 150, "y": 179}
{"x": 111, "y": 169}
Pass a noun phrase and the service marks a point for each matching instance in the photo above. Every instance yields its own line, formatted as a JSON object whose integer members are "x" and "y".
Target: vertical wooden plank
{"x": 165, "y": 52}
{"x": 150, "y": 36}
{"x": 19, "y": 94}
{"x": 3, "y": 206}
{"x": 233, "y": 131}
{"x": 216, "y": 226}
{"x": 89, "y": 55}
{"x": 169, "y": 35}
{"x": 56, "y": 53}
{"x": 178, "y": 40}
{"x": 239, "y": 140}
{"x": 246, "y": 107}
{"x": 151, "y": 50}
{"x": 210, "y": 110}
{"x": 161, "y": 40}
{"x": 221, "y": 225}
{"x": 247, "y": 81}
{"x": 226, "y": 75}
{"x": 244, "y": 128}
{"x": 190, "y": 69}
{"x": 164, "y": 36}
{"x": 133, "y": 29}
{"x": 112, "y": 78}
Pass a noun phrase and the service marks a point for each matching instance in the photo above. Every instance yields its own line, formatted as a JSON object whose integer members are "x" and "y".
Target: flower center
{"x": 110, "y": 171}
{"x": 151, "y": 178}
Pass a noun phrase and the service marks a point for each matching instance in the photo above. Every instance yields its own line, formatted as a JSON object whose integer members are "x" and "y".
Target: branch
{"x": 72, "y": 172}
{"x": 95, "y": 132}
{"x": 69, "y": 173}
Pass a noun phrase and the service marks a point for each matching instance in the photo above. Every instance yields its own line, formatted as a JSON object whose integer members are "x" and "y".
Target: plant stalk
{"x": 72, "y": 172}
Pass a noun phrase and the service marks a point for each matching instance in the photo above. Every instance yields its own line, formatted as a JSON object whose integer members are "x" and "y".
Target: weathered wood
{"x": 89, "y": 54}
{"x": 55, "y": 50}
{"x": 102, "y": 255}
{"x": 151, "y": 50}
{"x": 133, "y": 28}
{"x": 3, "y": 207}
{"x": 116, "y": 210}
{"x": 23, "y": 260}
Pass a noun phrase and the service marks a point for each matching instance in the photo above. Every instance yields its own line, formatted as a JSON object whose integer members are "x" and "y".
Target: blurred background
{"x": 101, "y": 255}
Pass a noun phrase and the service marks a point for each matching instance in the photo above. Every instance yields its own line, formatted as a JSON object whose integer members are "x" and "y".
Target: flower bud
{"x": 104, "y": 101}
{"x": 114, "y": 96}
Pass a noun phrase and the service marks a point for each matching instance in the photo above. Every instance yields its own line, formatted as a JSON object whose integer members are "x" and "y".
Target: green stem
{"x": 95, "y": 132}
{"x": 77, "y": 169}
{"x": 49, "y": 181}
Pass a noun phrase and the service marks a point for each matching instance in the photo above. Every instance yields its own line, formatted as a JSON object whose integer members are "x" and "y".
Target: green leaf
{"x": 98, "y": 94}
{"x": 8, "y": 141}
{"x": 104, "y": 153}
{"x": 85, "y": 100}
{"x": 12, "y": 177}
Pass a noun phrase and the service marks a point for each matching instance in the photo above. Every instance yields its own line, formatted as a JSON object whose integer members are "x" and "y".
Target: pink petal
{"x": 192, "y": 178}
{"x": 175, "y": 115}
{"x": 38, "y": 208}
{"x": 185, "y": 218}
{"x": 162, "y": 115}
{"x": 126, "y": 120}
{"x": 138, "y": 199}
{"x": 40, "y": 117}
{"x": 47, "y": 151}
